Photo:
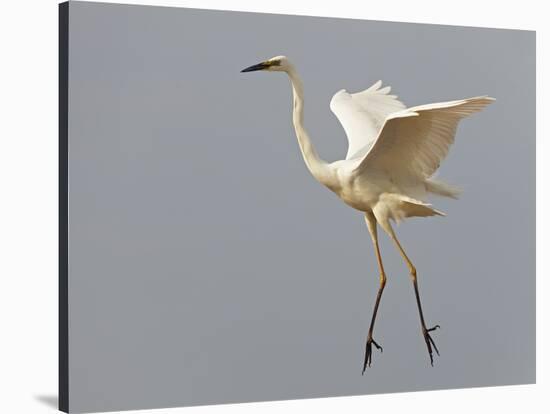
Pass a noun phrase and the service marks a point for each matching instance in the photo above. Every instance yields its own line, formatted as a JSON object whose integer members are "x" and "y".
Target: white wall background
{"x": 28, "y": 202}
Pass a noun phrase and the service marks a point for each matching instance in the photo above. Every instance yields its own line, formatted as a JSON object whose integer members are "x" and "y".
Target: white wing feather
{"x": 362, "y": 115}
{"x": 413, "y": 142}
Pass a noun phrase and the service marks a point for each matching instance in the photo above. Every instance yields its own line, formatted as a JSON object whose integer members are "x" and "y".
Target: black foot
{"x": 368, "y": 352}
{"x": 430, "y": 342}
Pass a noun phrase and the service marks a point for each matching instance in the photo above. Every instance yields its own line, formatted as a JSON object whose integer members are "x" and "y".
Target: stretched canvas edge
{"x": 63, "y": 381}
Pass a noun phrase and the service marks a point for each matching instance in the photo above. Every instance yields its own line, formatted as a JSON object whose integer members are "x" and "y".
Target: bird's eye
{"x": 276, "y": 62}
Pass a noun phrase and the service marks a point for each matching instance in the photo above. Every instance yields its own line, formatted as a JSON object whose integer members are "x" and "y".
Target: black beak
{"x": 259, "y": 66}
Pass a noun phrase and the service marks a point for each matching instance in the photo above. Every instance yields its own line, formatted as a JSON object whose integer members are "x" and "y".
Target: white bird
{"x": 393, "y": 153}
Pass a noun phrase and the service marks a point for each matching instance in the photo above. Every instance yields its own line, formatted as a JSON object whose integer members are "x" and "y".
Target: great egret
{"x": 392, "y": 155}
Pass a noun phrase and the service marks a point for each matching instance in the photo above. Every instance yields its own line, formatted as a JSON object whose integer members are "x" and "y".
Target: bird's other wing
{"x": 415, "y": 141}
{"x": 362, "y": 114}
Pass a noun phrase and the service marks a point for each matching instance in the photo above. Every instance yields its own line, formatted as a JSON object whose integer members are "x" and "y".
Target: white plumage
{"x": 362, "y": 114}
{"x": 393, "y": 153}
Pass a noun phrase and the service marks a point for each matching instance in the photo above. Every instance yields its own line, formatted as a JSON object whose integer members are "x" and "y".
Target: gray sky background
{"x": 208, "y": 266}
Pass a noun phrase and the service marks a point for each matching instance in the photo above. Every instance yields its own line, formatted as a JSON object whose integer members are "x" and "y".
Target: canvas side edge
{"x": 63, "y": 311}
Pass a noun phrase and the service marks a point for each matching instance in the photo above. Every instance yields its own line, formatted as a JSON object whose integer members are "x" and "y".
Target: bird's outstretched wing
{"x": 415, "y": 141}
{"x": 362, "y": 114}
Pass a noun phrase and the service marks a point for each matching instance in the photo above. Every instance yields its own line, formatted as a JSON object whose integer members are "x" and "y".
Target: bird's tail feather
{"x": 443, "y": 189}
{"x": 399, "y": 206}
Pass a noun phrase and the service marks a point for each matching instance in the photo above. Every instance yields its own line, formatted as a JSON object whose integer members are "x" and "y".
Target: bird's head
{"x": 275, "y": 64}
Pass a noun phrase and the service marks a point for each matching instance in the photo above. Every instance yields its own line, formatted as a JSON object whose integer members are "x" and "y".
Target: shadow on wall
{"x": 48, "y": 400}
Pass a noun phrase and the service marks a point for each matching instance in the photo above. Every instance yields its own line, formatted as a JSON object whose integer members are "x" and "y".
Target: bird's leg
{"x": 371, "y": 223}
{"x": 430, "y": 344}
{"x": 370, "y": 340}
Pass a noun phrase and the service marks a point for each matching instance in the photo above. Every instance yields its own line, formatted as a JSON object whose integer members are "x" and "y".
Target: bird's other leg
{"x": 371, "y": 223}
{"x": 430, "y": 344}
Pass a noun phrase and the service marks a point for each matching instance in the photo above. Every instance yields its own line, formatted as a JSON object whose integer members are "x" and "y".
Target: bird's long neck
{"x": 318, "y": 168}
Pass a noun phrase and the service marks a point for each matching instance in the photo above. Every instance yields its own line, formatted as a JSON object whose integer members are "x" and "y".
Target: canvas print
{"x": 223, "y": 180}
